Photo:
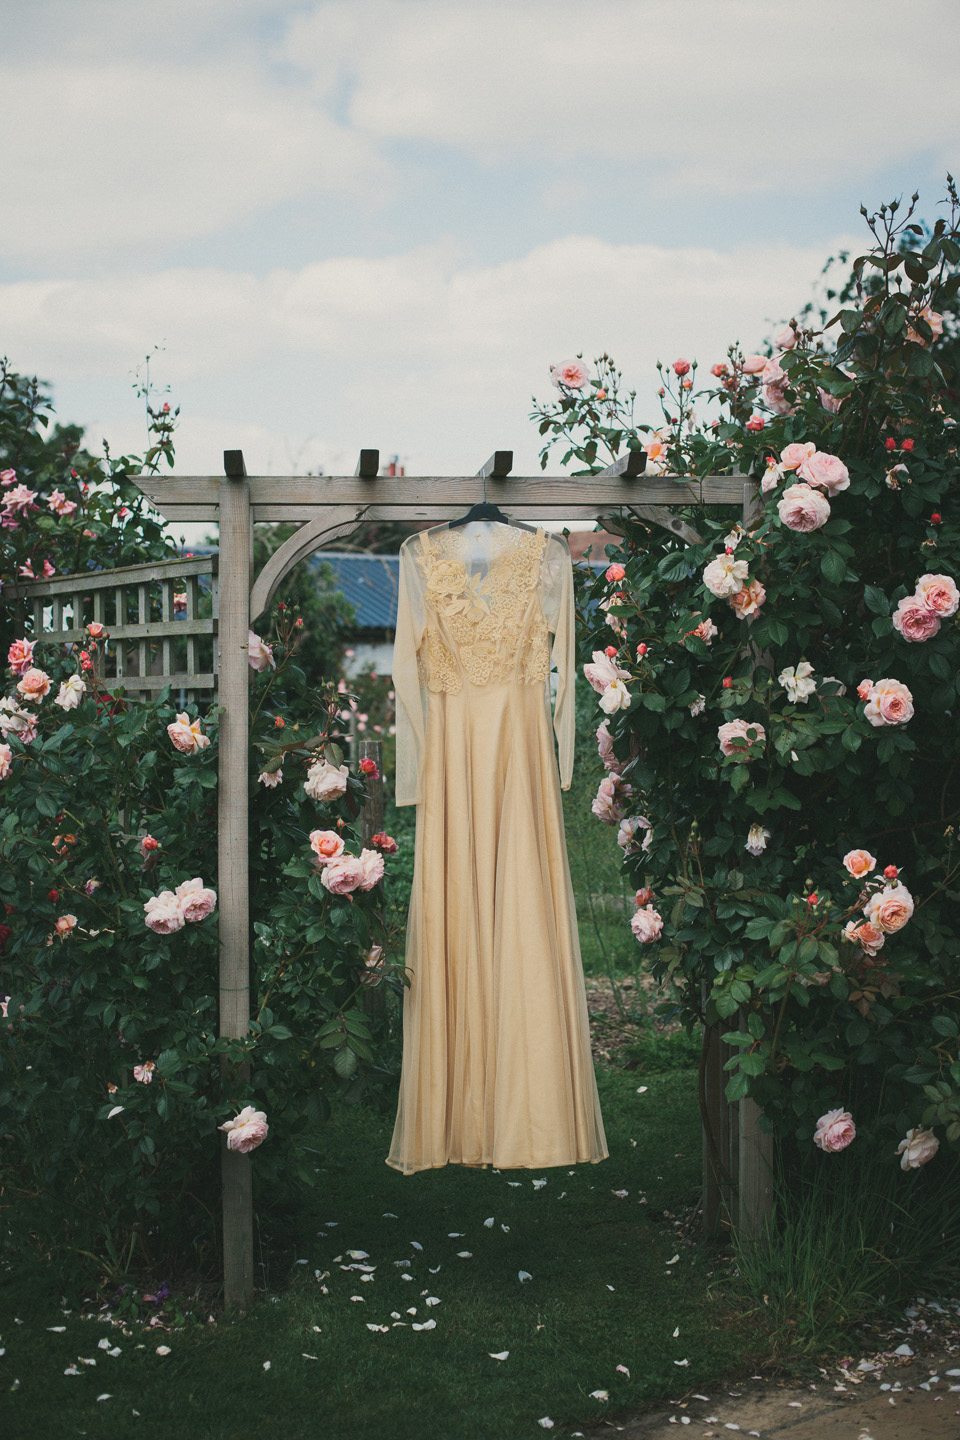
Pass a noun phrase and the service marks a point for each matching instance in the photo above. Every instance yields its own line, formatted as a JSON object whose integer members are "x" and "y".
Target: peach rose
{"x": 826, "y": 471}
{"x": 864, "y": 688}
{"x": 786, "y": 338}
{"x": 735, "y": 741}
{"x": 889, "y": 703}
{"x": 830, "y": 403}
{"x": 889, "y": 909}
{"x": 867, "y": 935}
{"x": 834, "y": 1131}
{"x": 939, "y": 593}
{"x": 259, "y": 653}
{"x": 706, "y": 631}
{"x": 859, "y": 863}
{"x": 793, "y": 455}
{"x": 934, "y": 319}
{"x": 342, "y": 875}
{"x": 163, "y": 913}
{"x": 914, "y": 620}
{"x": 803, "y": 509}
{"x": 725, "y": 575}
{"x": 371, "y": 865}
{"x": 325, "y": 781}
{"x": 20, "y": 656}
{"x": 196, "y": 900}
{"x": 34, "y": 684}
{"x": 246, "y": 1131}
{"x": 187, "y": 735}
{"x": 326, "y": 845}
{"x": 919, "y": 1146}
{"x": 569, "y": 375}
{"x": 646, "y": 924}
{"x": 747, "y": 601}
{"x": 65, "y": 923}
{"x": 753, "y": 364}
{"x": 615, "y": 574}
{"x": 6, "y": 761}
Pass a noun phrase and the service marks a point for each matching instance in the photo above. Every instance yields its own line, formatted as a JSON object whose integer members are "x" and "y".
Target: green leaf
{"x": 652, "y": 701}
{"x": 833, "y": 566}
{"x": 851, "y": 739}
{"x": 875, "y": 600}
{"x": 738, "y": 1088}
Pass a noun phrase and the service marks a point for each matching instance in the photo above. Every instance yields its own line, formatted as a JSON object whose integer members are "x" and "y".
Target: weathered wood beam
{"x": 368, "y": 466}
{"x": 498, "y": 467}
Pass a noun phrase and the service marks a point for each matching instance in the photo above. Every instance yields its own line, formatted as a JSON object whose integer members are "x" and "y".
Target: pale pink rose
{"x": 868, "y": 936}
{"x": 756, "y": 841}
{"x": 771, "y": 478}
{"x": 259, "y": 653}
{"x": 342, "y": 875}
{"x": 326, "y": 845}
{"x": 939, "y": 593}
{"x": 196, "y": 900}
{"x": 71, "y": 692}
{"x": 569, "y": 375}
{"x": 16, "y": 721}
{"x": 371, "y": 865}
{"x": 889, "y": 909}
{"x": 8, "y": 477}
{"x": 163, "y": 913}
{"x": 864, "y": 688}
{"x": 753, "y": 364}
{"x": 827, "y": 472}
{"x": 6, "y": 761}
{"x": 914, "y": 621}
{"x": 802, "y": 508}
{"x": 271, "y": 778}
{"x": 834, "y": 1131}
{"x": 646, "y": 924}
{"x": 735, "y": 741}
{"x": 859, "y": 863}
{"x": 725, "y": 575}
{"x": 705, "y": 631}
{"x": 59, "y": 504}
{"x": 774, "y": 385}
{"x": 96, "y": 630}
{"x": 65, "y": 923}
{"x": 786, "y": 338}
{"x": 615, "y": 697}
{"x": 606, "y": 805}
{"x": 889, "y": 703}
{"x": 34, "y": 684}
{"x": 19, "y": 500}
{"x": 603, "y": 672}
{"x": 793, "y": 455}
{"x": 144, "y": 1073}
{"x": 187, "y": 735}
{"x": 247, "y": 1130}
{"x": 747, "y": 601}
{"x": 325, "y": 781}
{"x": 89, "y": 886}
{"x": 630, "y": 829}
{"x": 605, "y": 748}
{"x": 830, "y": 403}
{"x": 933, "y": 319}
{"x": 919, "y": 1146}
{"x": 20, "y": 656}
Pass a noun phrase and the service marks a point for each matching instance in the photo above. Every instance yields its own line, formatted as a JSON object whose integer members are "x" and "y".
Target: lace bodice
{"x": 477, "y": 605}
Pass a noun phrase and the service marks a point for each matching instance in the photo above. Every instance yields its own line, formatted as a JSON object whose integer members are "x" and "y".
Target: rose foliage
{"x": 780, "y": 701}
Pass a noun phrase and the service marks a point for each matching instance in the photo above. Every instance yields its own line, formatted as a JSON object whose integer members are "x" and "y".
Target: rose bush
{"x": 771, "y": 768}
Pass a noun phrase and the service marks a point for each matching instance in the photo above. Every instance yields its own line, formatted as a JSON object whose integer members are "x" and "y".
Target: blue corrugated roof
{"x": 369, "y": 582}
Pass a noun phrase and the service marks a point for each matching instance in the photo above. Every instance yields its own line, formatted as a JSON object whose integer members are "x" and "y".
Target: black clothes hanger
{"x": 499, "y": 464}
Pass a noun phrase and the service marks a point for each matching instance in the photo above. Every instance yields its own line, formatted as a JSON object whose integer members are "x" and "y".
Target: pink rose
{"x": 859, "y": 863}
{"x": 610, "y": 792}
{"x": 646, "y": 924}
{"x": 271, "y": 778}
{"x": 786, "y": 338}
{"x": 864, "y": 688}
{"x": 148, "y": 845}
{"x": 259, "y": 653}
{"x": 163, "y": 914}
{"x": 933, "y": 319}
{"x": 20, "y": 656}
{"x": 371, "y": 865}
{"x": 834, "y": 1131}
{"x": 187, "y": 735}
{"x": 65, "y": 923}
{"x": 96, "y": 630}
{"x": 246, "y": 1131}
{"x": 868, "y": 936}
{"x": 89, "y": 886}
{"x": 6, "y": 761}
{"x": 889, "y": 909}
{"x": 705, "y": 631}
{"x": 795, "y": 454}
{"x": 939, "y": 593}
{"x": 753, "y": 364}
{"x": 802, "y": 508}
{"x": 736, "y": 741}
{"x": 569, "y": 375}
{"x": 8, "y": 477}
{"x": 889, "y": 703}
{"x": 196, "y": 901}
{"x": 34, "y": 684}
{"x": 830, "y": 403}
{"x": 603, "y": 672}
{"x": 325, "y": 782}
{"x": 725, "y": 575}
{"x": 828, "y": 472}
{"x": 914, "y": 621}
{"x": 918, "y": 1147}
{"x": 71, "y": 692}
{"x": 19, "y": 500}
{"x": 144, "y": 1073}
{"x": 342, "y": 875}
{"x": 774, "y": 385}
{"x": 605, "y": 748}
{"x": 747, "y": 601}
{"x": 326, "y": 845}
{"x": 615, "y": 574}
{"x": 629, "y": 829}
{"x": 681, "y": 367}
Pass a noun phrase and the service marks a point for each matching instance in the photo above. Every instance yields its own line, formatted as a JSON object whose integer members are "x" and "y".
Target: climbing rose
{"x": 753, "y": 364}
{"x": 163, "y": 914}
{"x": 603, "y": 672}
{"x": 889, "y": 703}
{"x": 615, "y": 697}
{"x": 859, "y": 863}
{"x": 627, "y": 834}
{"x": 569, "y": 375}
{"x": 786, "y": 338}
{"x": 646, "y": 924}
{"x": 6, "y": 761}
{"x": 834, "y": 1131}
{"x": 939, "y": 593}
{"x": 725, "y": 575}
{"x": 826, "y": 471}
{"x": 890, "y": 908}
{"x": 246, "y": 1131}
{"x": 148, "y": 845}
{"x": 259, "y": 653}
{"x": 605, "y": 748}
{"x": 735, "y": 741}
{"x": 681, "y": 367}
{"x": 196, "y": 900}
{"x": 271, "y": 778}
{"x": 343, "y": 875}
{"x": 89, "y": 886}
{"x": 325, "y": 781}
{"x": 747, "y": 602}
{"x": 864, "y": 688}
{"x": 757, "y": 838}
{"x": 605, "y": 806}
{"x": 933, "y": 318}
{"x": 918, "y": 1147}
{"x": 615, "y": 574}
{"x": 187, "y": 735}
{"x": 803, "y": 509}
{"x": 914, "y": 621}
{"x": 368, "y": 767}
{"x": 65, "y": 923}
{"x": 20, "y": 656}
{"x": 144, "y": 1072}
{"x": 71, "y": 692}
{"x": 705, "y": 631}
{"x": 868, "y": 936}
{"x": 371, "y": 865}
{"x": 797, "y": 682}
{"x": 34, "y": 684}
{"x": 384, "y": 843}
{"x": 19, "y": 500}
{"x": 326, "y": 845}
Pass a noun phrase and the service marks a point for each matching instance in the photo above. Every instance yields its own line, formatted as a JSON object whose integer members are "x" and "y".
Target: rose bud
{"x": 890, "y": 443}
{"x": 610, "y": 651}
{"x": 907, "y": 444}
{"x": 936, "y": 518}
{"x": 891, "y": 872}
{"x": 728, "y": 682}
{"x": 755, "y": 423}
{"x": 53, "y": 896}
{"x": 641, "y": 650}
{"x": 813, "y": 899}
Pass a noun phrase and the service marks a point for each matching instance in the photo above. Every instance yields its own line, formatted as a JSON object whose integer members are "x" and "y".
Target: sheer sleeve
{"x": 557, "y": 601}
{"x": 410, "y": 699}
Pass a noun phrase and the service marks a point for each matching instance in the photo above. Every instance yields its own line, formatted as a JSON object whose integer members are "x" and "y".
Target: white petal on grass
{"x": 82, "y": 1361}
{"x": 599, "y": 1394}
{"x": 316, "y": 1329}
{"x": 539, "y": 1184}
{"x": 514, "y": 1184}
{"x": 642, "y": 1089}
{"x": 117, "y": 1109}
{"x": 305, "y": 1356}
{"x": 546, "y": 1422}
{"x": 427, "y": 1325}
{"x": 499, "y": 1354}
{"x": 705, "y": 1398}
{"x": 676, "y": 1333}
{"x": 412, "y": 1310}
{"x": 455, "y": 1234}
{"x": 358, "y": 1255}
{"x": 489, "y": 1223}
{"x": 165, "y": 1350}
{"x": 433, "y": 1300}
{"x": 57, "y": 1329}
{"x": 406, "y": 1277}
{"x": 464, "y": 1254}
{"x": 434, "y": 1270}
{"x": 674, "y": 1260}
{"x": 681, "y": 1362}
{"x": 416, "y": 1244}
{"x": 358, "y": 1299}
{"x": 389, "y": 1215}
{"x": 524, "y": 1275}
{"x": 609, "y": 1287}
{"x": 103, "y": 1397}
{"x": 505, "y": 1229}
{"x": 103, "y": 1344}
{"x": 620, "y": 1194}
{"x": 71, "y": 1370}
{"x": 624, "y": 1371}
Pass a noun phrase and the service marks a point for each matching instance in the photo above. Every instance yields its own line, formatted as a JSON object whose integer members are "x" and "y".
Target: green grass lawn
{"x": 605, "y": 1290}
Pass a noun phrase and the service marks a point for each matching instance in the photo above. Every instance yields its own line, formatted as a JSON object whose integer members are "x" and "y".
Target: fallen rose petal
{"x": 266, "y": 1363}
{"x": 599, "y": 1394}
{"x": 305, "y": 1356}
{"x": 546, "y": 1422}
{"x": 681, "y": 1362}
{"x": 427, "y": 1325}
{"x": 356, "y": 1255}
{"x": 489, "y": 1223}
{"x": 165, "y": 1350}
{"x": 465, "y": 1254}
{"x": 71, "y": 1370}
{"x": 432, "y": 1300}
{"x": 499, "y": 1354}
{"x": 674, "y": 1260}
{"x": 103, "y": 1397}
{"x": 524, "y": 1275}
{"x": 57, "y": 1329}
{"x": 624, "y": 1371}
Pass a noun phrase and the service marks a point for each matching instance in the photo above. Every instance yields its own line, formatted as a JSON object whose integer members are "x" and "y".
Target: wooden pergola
{"x": 736, "y": 1153}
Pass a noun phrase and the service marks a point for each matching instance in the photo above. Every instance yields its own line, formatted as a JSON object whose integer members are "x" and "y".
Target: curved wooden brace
{"x": 657, "y": 515}
{"x": 309, "y": 537}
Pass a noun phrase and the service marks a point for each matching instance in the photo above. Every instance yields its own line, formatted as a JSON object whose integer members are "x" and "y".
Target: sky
{"x": 337, "y": 224}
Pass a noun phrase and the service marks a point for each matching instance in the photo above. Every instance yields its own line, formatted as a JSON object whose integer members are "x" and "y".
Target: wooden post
{"x": 233, "y": 667}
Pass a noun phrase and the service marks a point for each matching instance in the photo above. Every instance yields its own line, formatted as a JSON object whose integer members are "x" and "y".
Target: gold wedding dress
{"x": 497, "y": 1068}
